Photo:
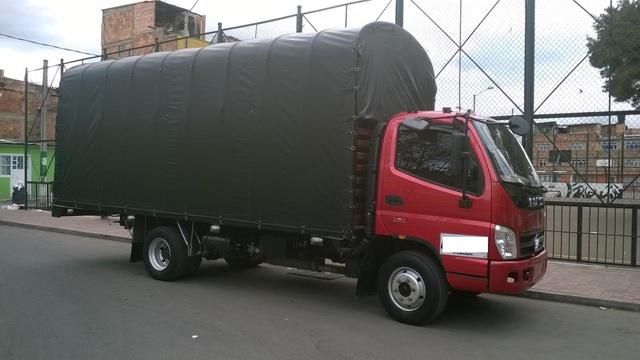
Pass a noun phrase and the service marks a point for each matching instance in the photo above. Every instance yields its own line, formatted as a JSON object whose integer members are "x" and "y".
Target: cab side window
{"x": 427, "y": 155}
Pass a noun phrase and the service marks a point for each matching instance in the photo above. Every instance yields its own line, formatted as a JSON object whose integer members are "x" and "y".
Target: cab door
{"x": 419, "y": 196}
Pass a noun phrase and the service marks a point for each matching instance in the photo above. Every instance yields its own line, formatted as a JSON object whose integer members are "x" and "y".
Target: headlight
{"x": 506, "y": 242}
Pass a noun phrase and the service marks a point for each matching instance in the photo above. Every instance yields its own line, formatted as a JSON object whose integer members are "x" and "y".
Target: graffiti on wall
{"x": 582, "y": 190}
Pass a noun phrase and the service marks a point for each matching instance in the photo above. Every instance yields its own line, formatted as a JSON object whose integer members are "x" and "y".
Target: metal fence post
{"x": 346, "y": 15}
{"x": 299, "y": 20}
{"x": 400, "y": 13}
{"x": 43, "y": 119}
{"x": 579, "y": 235}
{"x": 634, "y": 236}
{"x": 529, "y": 70}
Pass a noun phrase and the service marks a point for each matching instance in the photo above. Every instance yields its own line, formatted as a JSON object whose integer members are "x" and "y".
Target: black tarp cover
{"x": 255, "y": 132}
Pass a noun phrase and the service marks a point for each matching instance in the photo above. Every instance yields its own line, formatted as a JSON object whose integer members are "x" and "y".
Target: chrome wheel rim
{"x": 159, "y": 254}
{"x": 407, "y": 289}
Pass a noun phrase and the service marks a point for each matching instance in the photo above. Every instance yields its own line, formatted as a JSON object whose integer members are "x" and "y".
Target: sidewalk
{"x": 598, "y": 285}
{"x": 595, "y": 285}
{"x": 92, "y": 226}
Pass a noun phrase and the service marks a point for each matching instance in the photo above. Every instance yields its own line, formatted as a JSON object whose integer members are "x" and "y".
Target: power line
{"x": 194, "y": 5}
{"x": 49, "y": 45}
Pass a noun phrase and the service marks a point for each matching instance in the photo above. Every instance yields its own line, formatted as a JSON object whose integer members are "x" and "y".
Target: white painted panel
{"x": 464, "y": 245}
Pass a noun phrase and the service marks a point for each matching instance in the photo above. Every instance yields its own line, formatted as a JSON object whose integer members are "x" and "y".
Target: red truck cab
{"x": 485, "y": 228}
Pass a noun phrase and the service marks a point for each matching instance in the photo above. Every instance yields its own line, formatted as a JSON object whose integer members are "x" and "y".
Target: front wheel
{"x": 412, "y": 287}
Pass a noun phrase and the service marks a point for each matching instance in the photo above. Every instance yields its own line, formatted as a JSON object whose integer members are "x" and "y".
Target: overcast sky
{"x": 561, "y": 31}
{"x": 76, "y": 24}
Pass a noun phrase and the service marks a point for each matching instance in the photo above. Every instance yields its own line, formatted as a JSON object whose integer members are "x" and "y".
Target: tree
{"x": 616, "y": 50}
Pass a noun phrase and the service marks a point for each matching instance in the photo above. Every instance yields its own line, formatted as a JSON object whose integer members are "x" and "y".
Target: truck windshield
{"x": 509, "y": 158}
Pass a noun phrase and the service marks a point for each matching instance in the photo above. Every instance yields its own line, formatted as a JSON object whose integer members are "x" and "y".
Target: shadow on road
{"x": 485, "y": 313}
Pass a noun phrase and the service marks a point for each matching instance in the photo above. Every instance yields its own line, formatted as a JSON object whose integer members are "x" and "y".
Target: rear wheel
{"x": 165, "y": 254}
{"x": 412, "y": 287}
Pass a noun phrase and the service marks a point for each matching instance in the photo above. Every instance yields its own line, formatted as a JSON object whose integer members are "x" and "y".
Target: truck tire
{"x": 242, "y": 262}
{"x": 165, "y": 254}
{"x": 412, "y": 287}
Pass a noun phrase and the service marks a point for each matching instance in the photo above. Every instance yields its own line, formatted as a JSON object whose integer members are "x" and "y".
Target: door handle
{"x": 393, "y": 200}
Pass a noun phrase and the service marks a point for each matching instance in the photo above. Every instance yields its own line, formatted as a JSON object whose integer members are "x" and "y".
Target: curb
{"x": 573, "y": 299}
{"x": 68, "y": 231}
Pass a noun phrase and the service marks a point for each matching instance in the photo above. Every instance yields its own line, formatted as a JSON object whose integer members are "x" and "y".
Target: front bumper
{"x": 516, "y": 276}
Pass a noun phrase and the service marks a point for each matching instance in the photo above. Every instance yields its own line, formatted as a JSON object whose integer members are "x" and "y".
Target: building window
{"x": 578, "y": 146}
{"x": 609, "y": 145}
{"x": 632, "y": 162}
{"x": 9, "y": 162}
{"x": 546, "y": 178}
{"x": 542, "y": 162}
{"x": 579, "y": 163}
{"x": 5, "y": 165}
{"x": 606, "y": 163}
{"x": 544, "y": 147}
{"x": 560, "y": 156}
{"x": 427, "y": 155}
{"x": 632, "y": 144}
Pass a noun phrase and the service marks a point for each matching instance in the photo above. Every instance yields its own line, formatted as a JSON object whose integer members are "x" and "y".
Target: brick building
{"x": 140, "y": 24}
{"x": 12, "y": 159}
{"x": 12, "y": 109}
{"x": 599, "y": 153}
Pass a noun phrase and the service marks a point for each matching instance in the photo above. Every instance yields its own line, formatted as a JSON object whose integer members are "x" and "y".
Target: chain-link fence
{"x": 29, "y": 164}
{"x": 585, "y": 144}
{"x": 495, "y": 57}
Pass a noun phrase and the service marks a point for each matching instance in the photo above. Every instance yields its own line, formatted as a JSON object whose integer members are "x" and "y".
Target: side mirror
{"x": 415, "y": 123}
{"x": 458, "y": 150}
{"x": 519, "y": 125}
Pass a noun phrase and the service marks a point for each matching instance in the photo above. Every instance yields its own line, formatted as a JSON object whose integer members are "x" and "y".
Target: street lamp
{"x": 474, "y": 96}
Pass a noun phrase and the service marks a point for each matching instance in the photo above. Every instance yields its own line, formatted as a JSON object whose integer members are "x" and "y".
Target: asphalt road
{"x": 68, "y": 297}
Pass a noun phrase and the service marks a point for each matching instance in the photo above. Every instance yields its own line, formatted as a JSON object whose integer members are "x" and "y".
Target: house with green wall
{"x": 12, "y": 166}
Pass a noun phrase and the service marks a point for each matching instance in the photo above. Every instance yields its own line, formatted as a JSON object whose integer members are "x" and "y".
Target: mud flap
{"x": 139, "y": 234}
{"x": 367, "y": 279}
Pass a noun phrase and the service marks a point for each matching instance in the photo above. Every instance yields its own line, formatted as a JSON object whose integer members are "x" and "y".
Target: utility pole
{"x": 43, "y": 120}
{"x": 25, "y": 163}
{"x": 219, "y": 35}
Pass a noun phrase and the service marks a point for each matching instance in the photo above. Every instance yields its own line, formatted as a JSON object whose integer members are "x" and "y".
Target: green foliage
{"x": 616, "y": 50}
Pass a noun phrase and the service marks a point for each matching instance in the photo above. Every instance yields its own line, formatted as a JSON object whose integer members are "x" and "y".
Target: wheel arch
{"x": 379, "y": 250}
